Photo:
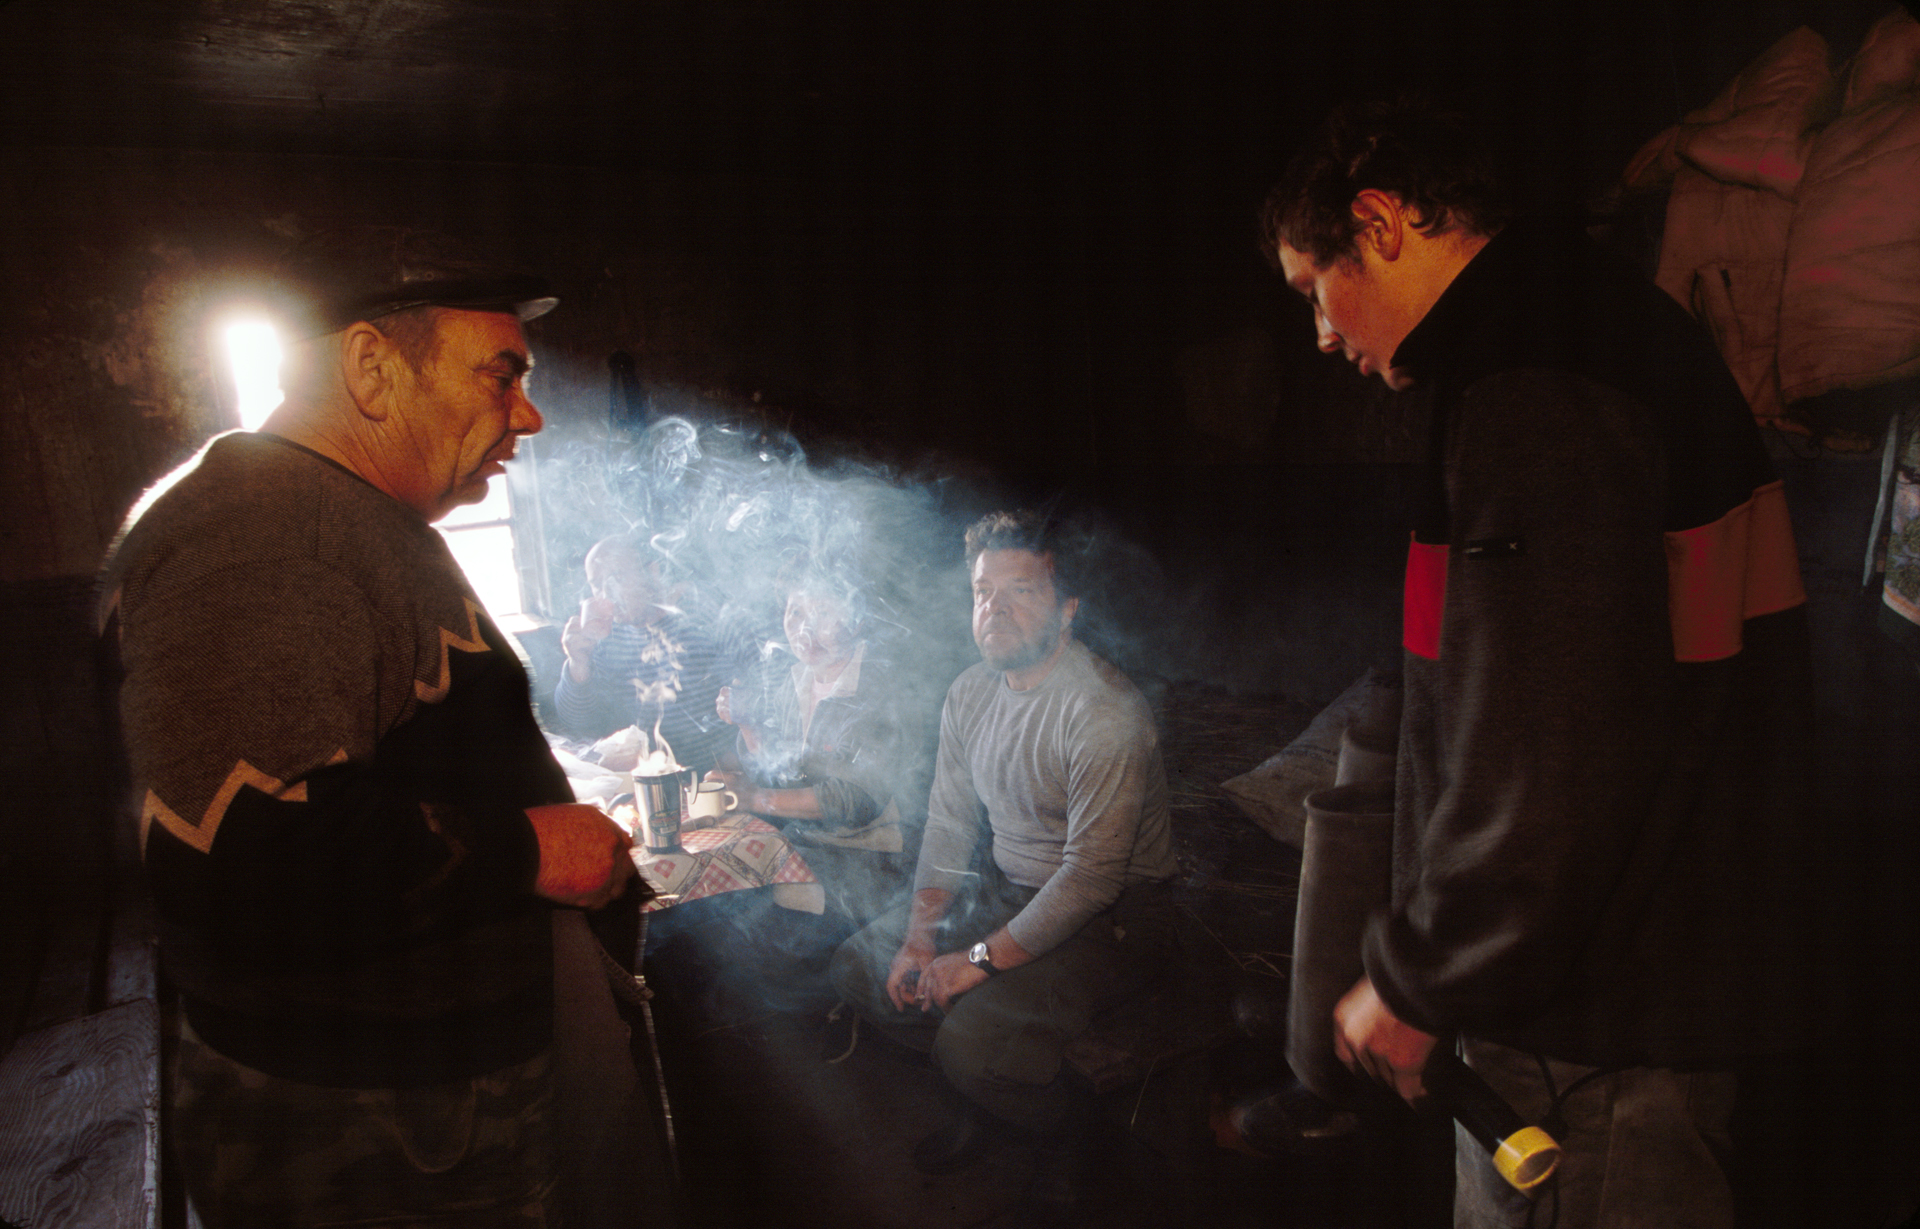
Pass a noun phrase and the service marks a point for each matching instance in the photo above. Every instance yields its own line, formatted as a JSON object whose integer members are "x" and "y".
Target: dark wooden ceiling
{"x": 540, "y": 80}
{"x": 853, "y": 87}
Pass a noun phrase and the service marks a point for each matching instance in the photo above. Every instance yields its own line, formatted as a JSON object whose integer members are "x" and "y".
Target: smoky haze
{"x": 740, "y": 511}
{"x": 737, "y": 513}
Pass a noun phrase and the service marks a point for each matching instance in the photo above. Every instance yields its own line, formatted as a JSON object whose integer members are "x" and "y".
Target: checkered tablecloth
{"x": 740, "y": 851}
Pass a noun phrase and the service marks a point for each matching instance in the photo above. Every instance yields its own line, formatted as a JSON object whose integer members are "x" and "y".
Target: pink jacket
{"x": 1793, "y": 218}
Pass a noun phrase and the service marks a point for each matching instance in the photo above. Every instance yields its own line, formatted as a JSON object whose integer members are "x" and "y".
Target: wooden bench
{"x": 80, "y": 1082}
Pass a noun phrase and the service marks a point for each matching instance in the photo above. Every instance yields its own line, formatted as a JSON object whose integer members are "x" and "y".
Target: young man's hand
{"x": 1373, "y": 1041}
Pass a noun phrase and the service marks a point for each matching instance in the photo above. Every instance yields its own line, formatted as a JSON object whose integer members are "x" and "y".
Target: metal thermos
{"x": 662, "y": 804}
{"x": 1346, "y": 874}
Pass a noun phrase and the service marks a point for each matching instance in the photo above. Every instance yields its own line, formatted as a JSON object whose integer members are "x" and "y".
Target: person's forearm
{"x": 946, "y": 852}
{"x": 370, "y": 856}
{"x": 1004, "y": 952}
{"x": 575, "y": 688}
{"x": 801, "y": 803}
{"x": 930, "y": 905}
{"x": 1070, "y": 898}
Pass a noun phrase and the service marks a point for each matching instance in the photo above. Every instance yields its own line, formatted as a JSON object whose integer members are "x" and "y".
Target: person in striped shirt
{"x": 633, "y": 658}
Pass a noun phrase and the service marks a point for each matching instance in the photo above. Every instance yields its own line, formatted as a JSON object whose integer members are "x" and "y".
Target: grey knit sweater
{"x": 332, "y": 749}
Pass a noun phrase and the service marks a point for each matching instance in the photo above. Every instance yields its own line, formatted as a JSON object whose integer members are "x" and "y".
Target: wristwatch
{"x": 977, "y": 957}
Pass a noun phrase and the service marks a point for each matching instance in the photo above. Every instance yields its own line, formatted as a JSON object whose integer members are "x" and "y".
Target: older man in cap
{"x": 353, "y": 827}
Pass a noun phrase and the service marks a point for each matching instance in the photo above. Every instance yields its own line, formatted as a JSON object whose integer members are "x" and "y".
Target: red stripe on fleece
{"x": 1425, "y": 598}
{"x": 1730, "y": 570}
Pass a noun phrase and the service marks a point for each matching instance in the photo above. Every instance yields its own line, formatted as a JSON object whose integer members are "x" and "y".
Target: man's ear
{"x": 1068, "y": 609}
{"x": 367, "y": 365}
{"x": 1383, "y": 221}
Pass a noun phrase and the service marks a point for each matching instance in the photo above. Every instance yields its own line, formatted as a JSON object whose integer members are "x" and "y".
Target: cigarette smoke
{"x": 736, "y": 514}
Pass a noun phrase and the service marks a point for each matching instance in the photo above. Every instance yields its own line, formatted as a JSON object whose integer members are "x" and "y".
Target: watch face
{"x": 979, "y": 953}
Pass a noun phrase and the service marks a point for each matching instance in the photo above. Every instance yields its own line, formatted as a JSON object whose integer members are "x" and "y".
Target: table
{"x": 730, "y": 854}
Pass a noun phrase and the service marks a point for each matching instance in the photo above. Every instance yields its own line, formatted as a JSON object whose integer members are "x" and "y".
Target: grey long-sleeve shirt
{"x": 1068, "y": 777}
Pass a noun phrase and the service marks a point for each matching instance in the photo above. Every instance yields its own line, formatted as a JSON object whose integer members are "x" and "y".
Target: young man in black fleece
{"x": 1598, "y": 836}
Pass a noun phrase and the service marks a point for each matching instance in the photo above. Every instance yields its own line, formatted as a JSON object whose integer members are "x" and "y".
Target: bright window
{"x": 481, "y": 538}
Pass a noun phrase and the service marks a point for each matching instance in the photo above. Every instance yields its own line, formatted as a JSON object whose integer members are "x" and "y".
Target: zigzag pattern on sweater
{"x": 473, "y": 642}
{"x": 200, "y": 835}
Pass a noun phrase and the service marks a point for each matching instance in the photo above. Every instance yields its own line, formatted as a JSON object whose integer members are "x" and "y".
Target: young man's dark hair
{"x": 1429, "y": 156}
{"x": 1029, "y": 531}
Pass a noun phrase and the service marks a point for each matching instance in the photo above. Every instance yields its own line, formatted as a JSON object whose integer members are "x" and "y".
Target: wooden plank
{"x": 79, "y": 1142}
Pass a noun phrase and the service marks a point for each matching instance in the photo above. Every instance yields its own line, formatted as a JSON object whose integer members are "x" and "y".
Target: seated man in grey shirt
{"x": 1040, "y": 897}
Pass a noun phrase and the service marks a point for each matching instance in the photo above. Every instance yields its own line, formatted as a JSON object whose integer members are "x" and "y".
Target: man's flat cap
{"x": 334, "y": 278}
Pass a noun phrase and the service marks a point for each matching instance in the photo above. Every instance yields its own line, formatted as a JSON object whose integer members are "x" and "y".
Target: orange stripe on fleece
{"x": 1730, "y": 570}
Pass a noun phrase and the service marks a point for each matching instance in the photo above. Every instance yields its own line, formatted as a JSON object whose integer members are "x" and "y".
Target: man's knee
{"x": 1000, "y": 1042}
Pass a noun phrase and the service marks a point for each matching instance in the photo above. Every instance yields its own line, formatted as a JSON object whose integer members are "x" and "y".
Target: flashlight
{"x": 1522, "y": 1154}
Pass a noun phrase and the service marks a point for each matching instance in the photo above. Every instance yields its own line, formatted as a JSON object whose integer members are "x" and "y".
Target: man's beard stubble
{"x": 1030, "y": 652}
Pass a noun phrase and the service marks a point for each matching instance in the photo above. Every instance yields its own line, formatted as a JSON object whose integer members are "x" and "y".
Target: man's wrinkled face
{"x": 463, "y": 412}
{"x": 1018, "y": 617}
{"x": 618, "y": 576}
{"x": 1351, "y": 312}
